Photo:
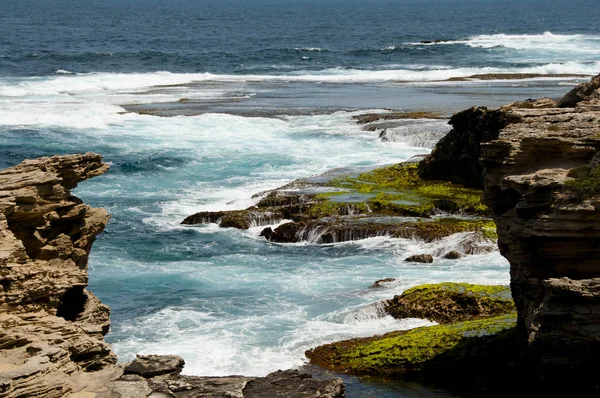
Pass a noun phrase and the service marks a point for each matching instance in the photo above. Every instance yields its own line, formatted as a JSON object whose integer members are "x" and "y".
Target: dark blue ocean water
{"x": 267, "y": 36}
{"x": 260, "y": 93}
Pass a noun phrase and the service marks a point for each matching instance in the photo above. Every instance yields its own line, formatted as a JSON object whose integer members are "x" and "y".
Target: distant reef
{"x": 538, "y": 162}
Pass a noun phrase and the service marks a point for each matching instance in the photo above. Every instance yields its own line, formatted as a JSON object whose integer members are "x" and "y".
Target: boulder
{"x": 452, "y": 255}
{"x": 419, "y": 258}
{"x": 583, "y": 92}
{"x": 149, "y": 366}
{"x": 451, "y": 302}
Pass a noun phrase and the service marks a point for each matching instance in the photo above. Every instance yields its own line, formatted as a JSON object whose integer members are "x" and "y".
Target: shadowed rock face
{"x": 455, "y": 158}
{"x": 550, "y": 235}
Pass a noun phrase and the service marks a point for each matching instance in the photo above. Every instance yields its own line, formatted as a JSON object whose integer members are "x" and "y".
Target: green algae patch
{"x": 400, "y": 183}
{"x": 442, "y": 227}
{"x": 451, "y": 302}
{"x": 330, "y": 209}
{"x": 586, "y": 182}
{"x": 403, "y": 352}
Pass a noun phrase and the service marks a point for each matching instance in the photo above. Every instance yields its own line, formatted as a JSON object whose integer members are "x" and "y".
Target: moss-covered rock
{"x": 451, "y": 302}
{"x": 585, "y": 182}
{"x": 404, "y": 352}
{"x": 350, "y": 205}
{"x": 400, "y": 189}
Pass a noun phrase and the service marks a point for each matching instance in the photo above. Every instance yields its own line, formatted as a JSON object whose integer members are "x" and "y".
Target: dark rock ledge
{"x": 52, "y": 328}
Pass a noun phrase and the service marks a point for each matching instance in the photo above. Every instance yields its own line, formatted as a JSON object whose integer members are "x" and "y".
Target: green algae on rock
{"x": 451, "y": 302}
{"x": 400, "y": 188}
{"x": 585, "y": 183}
{"x": 347, "y": 204}
{"x": 404, "y": 352}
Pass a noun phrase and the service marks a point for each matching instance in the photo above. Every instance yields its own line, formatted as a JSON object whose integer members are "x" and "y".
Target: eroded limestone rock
{"x": 51, "y": 326}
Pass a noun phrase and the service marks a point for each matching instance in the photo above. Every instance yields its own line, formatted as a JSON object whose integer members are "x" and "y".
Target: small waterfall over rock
{"x": 367, "y": 313}
{"x": 419, "y": 133}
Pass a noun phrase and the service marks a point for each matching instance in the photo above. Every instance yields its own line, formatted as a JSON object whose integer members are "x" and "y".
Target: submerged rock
{"x": 343, "y": 229}
{"x": 240, "y": 219}
{"x": 374, "y": 117}
{"x": 342, "y": 205}
{"x": 382, "y": 282}
{"x": 452, "y": 255}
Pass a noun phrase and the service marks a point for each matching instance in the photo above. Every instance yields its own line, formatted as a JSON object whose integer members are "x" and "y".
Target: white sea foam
{"x": 547, "y": 41}
{"x": 215, "y": 346}
{"x": 317, "y": 49}
{"x": 119, "y": 88}
{"x": 93, "y": 100}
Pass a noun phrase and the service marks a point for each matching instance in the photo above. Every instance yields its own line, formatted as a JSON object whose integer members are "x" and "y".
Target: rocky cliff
{"x": 539, "y": 163}
{"x": 52, "y": 327}
{"x": 541, "y": 181}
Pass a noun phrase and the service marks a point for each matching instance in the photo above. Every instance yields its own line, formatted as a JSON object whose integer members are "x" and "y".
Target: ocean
{"x": 199, "y": 104}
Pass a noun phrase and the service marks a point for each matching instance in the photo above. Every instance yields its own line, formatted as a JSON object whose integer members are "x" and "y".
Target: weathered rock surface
{"x": 583, "y": 92}
{"x": 451, "y": 302}
{"x": 291, "y": 383}
{"x": 550, "y": 236}
{"x": 52, "y": 327}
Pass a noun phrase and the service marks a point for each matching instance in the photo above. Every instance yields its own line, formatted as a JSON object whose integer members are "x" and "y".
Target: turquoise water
{"x": 259, "y": 94}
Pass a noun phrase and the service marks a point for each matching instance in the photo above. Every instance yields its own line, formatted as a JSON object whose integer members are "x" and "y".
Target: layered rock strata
{"x": 52, "y": 327}
{"x": 541, "y": 186}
